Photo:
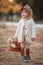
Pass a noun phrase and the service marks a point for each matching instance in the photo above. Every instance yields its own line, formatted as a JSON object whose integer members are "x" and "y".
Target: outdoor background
{"x": 9, "y": 18}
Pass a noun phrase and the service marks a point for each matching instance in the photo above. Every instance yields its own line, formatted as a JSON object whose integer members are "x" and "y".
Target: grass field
{"x": 14, "y": 58}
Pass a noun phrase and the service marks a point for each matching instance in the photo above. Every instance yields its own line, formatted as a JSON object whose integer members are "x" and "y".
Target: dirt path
{"x": 14, "y": 58}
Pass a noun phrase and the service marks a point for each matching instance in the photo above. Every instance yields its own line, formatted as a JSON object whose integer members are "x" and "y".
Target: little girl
{"x": 25, "y": 32}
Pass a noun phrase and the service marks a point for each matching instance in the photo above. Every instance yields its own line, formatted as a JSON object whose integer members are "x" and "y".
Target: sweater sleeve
{"x": 33, "y": 29}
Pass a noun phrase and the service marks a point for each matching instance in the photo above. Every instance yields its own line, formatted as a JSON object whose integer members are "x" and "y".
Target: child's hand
{"x": 33, "y": 39}
{"x": 15, "y": 40}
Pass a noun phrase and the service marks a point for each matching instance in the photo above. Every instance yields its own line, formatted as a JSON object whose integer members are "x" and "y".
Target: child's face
{"x": 25, "y": 14}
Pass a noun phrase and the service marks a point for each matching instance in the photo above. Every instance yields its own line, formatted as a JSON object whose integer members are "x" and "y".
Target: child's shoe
{"x": 28, "y": 57}
{"x": 25, "y": 59}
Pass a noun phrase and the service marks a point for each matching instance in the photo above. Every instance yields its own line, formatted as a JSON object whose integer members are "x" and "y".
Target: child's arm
{"x": 17, "y": 32}
{"x": 33, "y": 31}
{"x": 15, "y": 37}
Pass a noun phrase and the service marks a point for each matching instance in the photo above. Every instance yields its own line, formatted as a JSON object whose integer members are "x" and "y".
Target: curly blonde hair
{"x": 29, "y": 10}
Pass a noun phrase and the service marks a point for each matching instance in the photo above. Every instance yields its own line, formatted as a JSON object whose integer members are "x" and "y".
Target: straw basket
{"x": 14, "y": 47}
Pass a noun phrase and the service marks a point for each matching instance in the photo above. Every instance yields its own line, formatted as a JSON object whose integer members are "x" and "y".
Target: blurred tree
{"x": 38, "y": 8}
{"x": 24, "y": 2}
{"x": 36, "y": 5}
{"x": 10, "y": 14}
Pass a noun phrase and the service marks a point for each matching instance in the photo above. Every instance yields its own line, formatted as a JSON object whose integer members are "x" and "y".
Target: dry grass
{"x": 14, "y": 58}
